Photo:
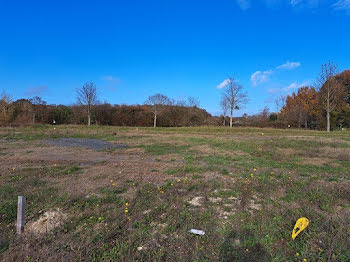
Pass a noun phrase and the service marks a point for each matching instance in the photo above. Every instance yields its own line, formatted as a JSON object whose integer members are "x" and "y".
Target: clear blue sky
{"x": 133, "y": 49}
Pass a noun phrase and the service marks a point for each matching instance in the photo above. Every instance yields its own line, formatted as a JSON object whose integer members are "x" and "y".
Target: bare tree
{"x": 157, "y": 101}
{"x": 37, "y": 103}
{"x": 5, "y": 98}
{"x": 234, "y": 96}
{"x": 280, "y": 102}
{"x": 193, "y": 101}
{"x": 179, "y": 102}
{"x": 6, "y": 110}
{"x": 87, "y": 96}
{"x": 224, "y": 107}
{"x": 330, "y": 91}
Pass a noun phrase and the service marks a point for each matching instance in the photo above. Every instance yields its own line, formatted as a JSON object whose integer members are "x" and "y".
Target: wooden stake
{"x": 21, "y": 214}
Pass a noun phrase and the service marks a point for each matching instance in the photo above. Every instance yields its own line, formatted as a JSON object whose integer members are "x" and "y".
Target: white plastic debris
{"x": 197, "y": 232}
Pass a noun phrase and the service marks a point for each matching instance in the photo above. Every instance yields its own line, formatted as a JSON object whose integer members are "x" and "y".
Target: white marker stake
{"x": 21, "y": 213}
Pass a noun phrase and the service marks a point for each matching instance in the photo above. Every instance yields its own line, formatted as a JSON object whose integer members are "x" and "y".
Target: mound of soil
{"x": 49, "y": 221}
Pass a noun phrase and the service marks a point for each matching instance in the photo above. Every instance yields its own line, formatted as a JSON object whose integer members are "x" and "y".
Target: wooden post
{"x": 21, "y": 214}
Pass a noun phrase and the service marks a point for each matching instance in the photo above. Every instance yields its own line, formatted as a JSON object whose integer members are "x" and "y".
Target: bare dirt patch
{"x": 135, "y": 151}
{"x": 47, "y": 222}
{"x": 321, "y": 139}
{"x": 287, "y": 151}
{"x": 206, "y": 149}
{"x": 316, "y": 161}
{"x": 342, "y": 154}
{"x": 117, "y": 170}
{"x": 97, "y": 168}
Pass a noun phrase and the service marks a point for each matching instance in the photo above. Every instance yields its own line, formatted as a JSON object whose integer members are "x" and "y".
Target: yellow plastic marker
{"x": 301, "y": 224}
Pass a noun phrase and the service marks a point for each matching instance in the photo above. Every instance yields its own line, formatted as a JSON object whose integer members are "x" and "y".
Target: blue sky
{"x": 133, "y": 49}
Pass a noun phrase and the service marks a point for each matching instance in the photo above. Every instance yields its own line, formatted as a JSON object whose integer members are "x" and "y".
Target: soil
{"x": 97, "y": 168}
{"x": 47, "y": 222}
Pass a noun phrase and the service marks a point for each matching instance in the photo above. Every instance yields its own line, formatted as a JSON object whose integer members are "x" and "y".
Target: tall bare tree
{"x": 234, "y": 95}
{"x": 330, "y": 92}
{"x": 157, "y": 101}
{"x": 280, "y": 103}
{"x": 224, "y": 107}
{"x": 87, "y": 96}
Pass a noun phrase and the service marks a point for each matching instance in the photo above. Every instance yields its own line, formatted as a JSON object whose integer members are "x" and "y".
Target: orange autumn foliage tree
{"x": 301, "y": 108}
{"x": 343, "y": 114}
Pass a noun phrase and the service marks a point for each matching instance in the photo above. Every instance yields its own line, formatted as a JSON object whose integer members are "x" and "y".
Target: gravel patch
{"x": 94, "y": 144}
{"x": 4, "y": 140}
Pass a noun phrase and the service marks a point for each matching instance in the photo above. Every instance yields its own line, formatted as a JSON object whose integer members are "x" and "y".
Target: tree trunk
{"x": 89, "y": 114}
{"x": 305, "y": 123}
{"x": 328, "y": 112}
{"x": 224, "y": 124}
{"x": 89, "y": 117}
{"x": 231, "y": 117}
{"x": 155, "y": 120}
{"x": 328, "y": 121}
{"x": 33, "y": 118}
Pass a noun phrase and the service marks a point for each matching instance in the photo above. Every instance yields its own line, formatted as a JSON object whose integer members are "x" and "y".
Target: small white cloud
{"x": 289, "y": 65}
{"x": 287, "y": 89}
{"x": 295, "y": 85}
{"x": 295, "y": 2}
{"x": 243, "y": 4}
{"x": 342, "y": 5}
{"x": 107, "y": 78}
{"x": 36, "y": 91}
{"x": 260, "y": 77}
{"x": 273, "y": 90}
{"x": 222, "y": 84}
{"x": 339, "y": 5}
{"x": 291, "y": 86}
{"x": 111, "y": 82}
{"x": 111, "y": 79}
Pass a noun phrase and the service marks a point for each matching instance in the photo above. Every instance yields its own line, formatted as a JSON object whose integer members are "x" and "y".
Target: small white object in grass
{"x": 197, "y": 232}
{"x": 146, "y": 211}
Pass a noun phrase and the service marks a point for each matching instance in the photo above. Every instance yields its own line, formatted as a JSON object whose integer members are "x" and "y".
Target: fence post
{"x": 21, "y": 214}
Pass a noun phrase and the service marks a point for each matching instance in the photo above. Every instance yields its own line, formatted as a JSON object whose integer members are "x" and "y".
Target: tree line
{"x": 158, "y": 110}
{"x": 325, "y": 105}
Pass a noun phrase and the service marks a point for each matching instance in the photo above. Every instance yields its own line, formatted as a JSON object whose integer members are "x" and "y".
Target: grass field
{"x": 244, "y": 187}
